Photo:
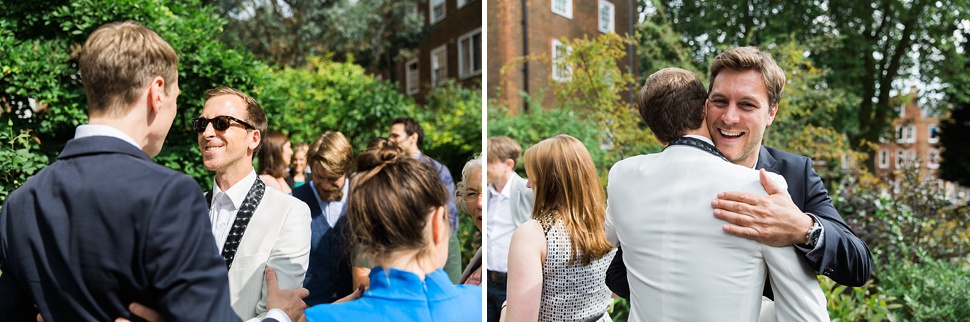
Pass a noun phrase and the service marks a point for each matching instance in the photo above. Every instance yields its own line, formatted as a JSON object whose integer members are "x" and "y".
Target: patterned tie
{"x": 245, "y": 213}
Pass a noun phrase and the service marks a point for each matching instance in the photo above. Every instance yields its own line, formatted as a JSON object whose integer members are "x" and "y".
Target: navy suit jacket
{"x": 328, "y": 277}
{"x": 845, "y": 258}
{"x": 102, "y": 227}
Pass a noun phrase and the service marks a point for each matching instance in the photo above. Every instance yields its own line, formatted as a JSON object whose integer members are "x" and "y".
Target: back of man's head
{"x": 671, "y": 102}
{"x": 751, "y": 58}
{"x": 118, "y": 61}
{"x": 410, "y": 127}
{"x": 501, "y": 148}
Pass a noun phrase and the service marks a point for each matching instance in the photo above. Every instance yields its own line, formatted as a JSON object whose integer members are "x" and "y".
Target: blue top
{"x": 396, "y": 295}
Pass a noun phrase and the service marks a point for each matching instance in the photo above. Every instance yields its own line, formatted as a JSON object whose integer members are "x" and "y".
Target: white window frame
{"x": 611, "y": 25}
{"x": 933, "y": 158}
{"x": 566, "y": 11}
{"x": 899, "y": 158}
{"x": 560, "y": 73}
{"x": 431, "y": 17}
{"x": 883, "y": 159}
{"x": 414, "y": 88}
{"x": 439, "y": 65}
{"x": 902, "y": 111}
{"x": 466, "y": 53}
{"x": 906, "y": 133}
{"x": 930, "y": 138}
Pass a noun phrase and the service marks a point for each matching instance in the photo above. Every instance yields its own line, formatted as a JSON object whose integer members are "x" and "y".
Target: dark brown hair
{"x": 390, "y": 199}
{"x": 671, "y": 102}
{"x": 410, "y": 127}
{"x": 271, "y": 155}
{"x": 116, "y": 63}
{"x": 331, "y": 155}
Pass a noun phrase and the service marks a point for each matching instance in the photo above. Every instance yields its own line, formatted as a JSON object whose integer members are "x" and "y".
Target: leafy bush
{"x": 18, "y": 154}
{"x": 538, "y": 124}
{"x": 856, "y": 303}
{"x": 929, "y": 289}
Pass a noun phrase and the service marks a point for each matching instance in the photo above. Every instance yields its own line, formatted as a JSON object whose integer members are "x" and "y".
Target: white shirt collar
{"x": 237, "y": 193}
{"x": 87, "y": 130}
{"x": 506, "y": 190}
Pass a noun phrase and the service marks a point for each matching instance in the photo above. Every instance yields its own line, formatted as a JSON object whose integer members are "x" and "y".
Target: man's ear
{"x": 771, "y": 114}
{"x": 156, "y": 92}
{"x": 510, "y": 163}
{"x": 257, "y": 137}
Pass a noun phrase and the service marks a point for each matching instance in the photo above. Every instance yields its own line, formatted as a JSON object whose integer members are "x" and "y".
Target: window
{"x": 933, "y": 159}
{"x": 902, "y": 111}
{"x": 899, "y": 159}
{"x": 561, "y": 71}
{"x": 439, "y": 65}
{"x": 412, "y": 82}
{"x": 470, "y": 54}
{"x": 911, "y": 157}
{"x": 563, "y": 8}
{"x": 462, "y": 3}
{"x": 606, "y": 16}
{"x": 883, "y": 159}
{"x": 934, "y": 134}
{"x": 436, "y": 10}
{"x": 906, "y": 133}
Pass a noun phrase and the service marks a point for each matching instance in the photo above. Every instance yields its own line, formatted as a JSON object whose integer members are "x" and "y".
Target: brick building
{"x": 453, "y": 49}
{"x": 916, "y": 143}
{"x": 533, "y": 27}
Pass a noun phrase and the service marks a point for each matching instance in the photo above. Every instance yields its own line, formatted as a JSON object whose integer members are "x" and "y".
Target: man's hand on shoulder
{"x": 772, "y": 220}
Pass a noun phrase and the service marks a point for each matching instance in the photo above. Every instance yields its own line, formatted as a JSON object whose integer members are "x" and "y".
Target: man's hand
{"x": 290, "y": 301}
{"x": 772, "y": 220}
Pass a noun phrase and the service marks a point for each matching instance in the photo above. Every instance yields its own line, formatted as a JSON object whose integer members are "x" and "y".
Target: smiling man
{"x": 746, "y": 88}
{"x": 254, "y": 227}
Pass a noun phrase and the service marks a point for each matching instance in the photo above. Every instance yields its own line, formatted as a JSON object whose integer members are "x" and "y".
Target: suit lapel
{"x": 243, "y": 216}
{"x": 766, "y": 160}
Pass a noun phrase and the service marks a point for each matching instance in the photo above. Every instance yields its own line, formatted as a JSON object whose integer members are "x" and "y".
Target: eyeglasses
{"x": 219, "y": 123}
{"x": 473, "y": 195}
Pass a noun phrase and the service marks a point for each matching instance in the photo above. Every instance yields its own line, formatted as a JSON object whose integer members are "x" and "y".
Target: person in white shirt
{"x": 254, "y": 227}
{"x": 509, "y": 205}
{"x": 680, "y": 264}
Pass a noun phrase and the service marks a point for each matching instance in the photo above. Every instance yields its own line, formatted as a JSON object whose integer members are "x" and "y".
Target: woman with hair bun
{"x": 397, "y": 213}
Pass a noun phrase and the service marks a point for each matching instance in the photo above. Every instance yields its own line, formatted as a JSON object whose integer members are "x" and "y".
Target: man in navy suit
{"x": 738, "y": 111}
{"x": 104, "y": 226}
{"x": 328, "y": 277}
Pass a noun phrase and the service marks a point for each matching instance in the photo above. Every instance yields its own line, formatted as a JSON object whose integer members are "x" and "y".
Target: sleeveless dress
{"x": 572, "y": 292}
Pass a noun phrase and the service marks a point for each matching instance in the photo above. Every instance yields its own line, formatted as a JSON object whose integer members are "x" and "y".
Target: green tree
{"x": 376, "y": 33}
{"x": 594, "y": 84}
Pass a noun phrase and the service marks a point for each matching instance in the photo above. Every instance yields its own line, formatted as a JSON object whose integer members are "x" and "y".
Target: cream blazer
{"x": 680, "y": 263}
{"x": 278, "y": 235}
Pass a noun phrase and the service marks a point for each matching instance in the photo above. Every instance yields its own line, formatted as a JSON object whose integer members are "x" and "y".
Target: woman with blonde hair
{"x": 558, "y": 260}
{"x": 298, "y": 170}
{"x": 397, "y": 210}
{"x": 274, "y": 155}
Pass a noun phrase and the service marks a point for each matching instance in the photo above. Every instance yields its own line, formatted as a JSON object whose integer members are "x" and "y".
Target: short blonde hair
{"x": 751, "y": 58}
{"x": 331, "y": 155}
{"x": 116, "y": 63}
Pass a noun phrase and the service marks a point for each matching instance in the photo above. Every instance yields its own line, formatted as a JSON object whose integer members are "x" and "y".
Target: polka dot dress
{"x": 572, "y": 292}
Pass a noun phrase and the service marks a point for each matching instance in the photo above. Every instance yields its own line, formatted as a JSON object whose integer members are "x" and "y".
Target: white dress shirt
{"x": 225, "y": 205}
{"x": 500, "y": 227}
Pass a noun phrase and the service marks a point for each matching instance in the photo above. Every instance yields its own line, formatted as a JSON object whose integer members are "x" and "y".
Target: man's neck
{"x": 232, "y": 175}
{"x": 501, "y": 182}
{"x": 702, "y": 131}
{"x": 125, "y": 124}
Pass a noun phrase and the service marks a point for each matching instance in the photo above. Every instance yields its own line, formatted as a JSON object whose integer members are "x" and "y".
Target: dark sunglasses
{"x": 219, "y": 123}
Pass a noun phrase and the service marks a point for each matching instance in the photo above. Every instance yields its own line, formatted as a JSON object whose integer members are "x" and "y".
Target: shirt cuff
{"x": 814, "y": 254}
{"x": 277, "y": 314}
